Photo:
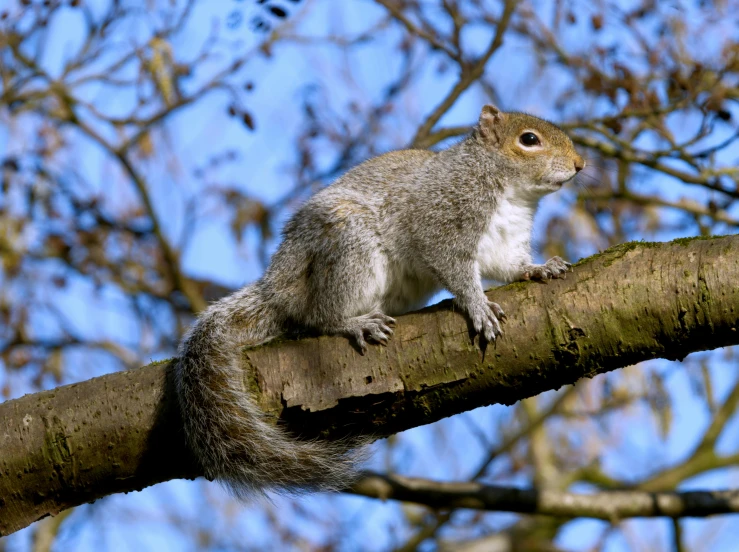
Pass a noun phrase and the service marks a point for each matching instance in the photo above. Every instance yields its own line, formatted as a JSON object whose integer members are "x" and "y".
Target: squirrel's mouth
{"x": 561, "y": 183}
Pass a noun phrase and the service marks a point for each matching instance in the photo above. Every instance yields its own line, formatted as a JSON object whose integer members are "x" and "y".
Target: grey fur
{"x": 379, "y": 241}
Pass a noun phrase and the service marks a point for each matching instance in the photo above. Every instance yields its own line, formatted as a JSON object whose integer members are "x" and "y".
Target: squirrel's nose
{"x": 579, "y": 164}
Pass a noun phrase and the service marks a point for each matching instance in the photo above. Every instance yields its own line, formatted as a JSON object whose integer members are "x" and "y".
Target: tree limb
{"x": 469, "y": 73}
{"x": 122, "y": 432}
{"x": 608, "y": 505}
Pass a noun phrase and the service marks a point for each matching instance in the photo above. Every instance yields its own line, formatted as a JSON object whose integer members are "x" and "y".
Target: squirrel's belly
{"x": 406, "y": 289}
{"x": 392, "y": 287}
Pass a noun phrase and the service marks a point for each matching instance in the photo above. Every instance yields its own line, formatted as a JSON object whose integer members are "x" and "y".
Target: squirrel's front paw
{"x": 485, "y": 317}
{"x": 556, "y": 267}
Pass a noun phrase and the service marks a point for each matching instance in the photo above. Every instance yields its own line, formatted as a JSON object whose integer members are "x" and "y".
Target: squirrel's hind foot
{"x": 374, "y": 326}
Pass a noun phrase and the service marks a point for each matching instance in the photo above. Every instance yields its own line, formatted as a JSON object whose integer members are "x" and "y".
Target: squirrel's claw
{"x": 554, "y": 269}
{"x": 497, "y": 311}
{"x": 374, "y": 327}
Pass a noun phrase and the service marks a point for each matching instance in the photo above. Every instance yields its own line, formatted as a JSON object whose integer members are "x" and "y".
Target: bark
{"x": 122, "y": 432}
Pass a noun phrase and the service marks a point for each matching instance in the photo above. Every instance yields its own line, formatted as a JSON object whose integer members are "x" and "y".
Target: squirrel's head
{"x": 534, "y": 153}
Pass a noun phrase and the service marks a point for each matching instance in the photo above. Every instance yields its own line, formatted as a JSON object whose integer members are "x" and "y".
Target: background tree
{"x": 151, "y": 155}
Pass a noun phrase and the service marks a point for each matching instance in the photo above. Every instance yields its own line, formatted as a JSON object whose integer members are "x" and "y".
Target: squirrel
{"x": 379, "y": 241}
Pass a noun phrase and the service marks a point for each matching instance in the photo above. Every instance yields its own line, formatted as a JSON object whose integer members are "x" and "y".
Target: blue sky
{"x": 157, "y": 518}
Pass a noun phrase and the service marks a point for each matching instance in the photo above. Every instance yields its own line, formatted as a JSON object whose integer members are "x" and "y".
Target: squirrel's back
{"x": 382, "y": 175}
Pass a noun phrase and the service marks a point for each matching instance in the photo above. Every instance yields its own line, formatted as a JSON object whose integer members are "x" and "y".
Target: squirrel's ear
{"x": 490, "y": 119}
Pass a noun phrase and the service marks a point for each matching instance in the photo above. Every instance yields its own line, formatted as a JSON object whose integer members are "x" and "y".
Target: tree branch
{"x": 608, "y": 505}
{"x": 412, "y": 29}
{"x": 122, "y": 432}
{"x": 469, "y": 74}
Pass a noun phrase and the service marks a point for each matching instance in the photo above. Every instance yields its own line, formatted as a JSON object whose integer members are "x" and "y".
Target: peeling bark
{"x": 122, "y": 432}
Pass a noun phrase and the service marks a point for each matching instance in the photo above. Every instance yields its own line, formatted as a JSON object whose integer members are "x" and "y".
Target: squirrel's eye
{"x": 529, "y": 139}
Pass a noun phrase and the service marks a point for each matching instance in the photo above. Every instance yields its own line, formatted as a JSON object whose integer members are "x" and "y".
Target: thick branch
{"x": 121, "y": 432}
{"x": 608, "y": 505}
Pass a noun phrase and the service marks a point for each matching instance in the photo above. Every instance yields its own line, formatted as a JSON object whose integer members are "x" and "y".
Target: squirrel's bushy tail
{"x": 234, "y": 440}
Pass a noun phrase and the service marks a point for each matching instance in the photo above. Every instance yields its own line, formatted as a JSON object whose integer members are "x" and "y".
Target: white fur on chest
{"x": 505, "y": 246}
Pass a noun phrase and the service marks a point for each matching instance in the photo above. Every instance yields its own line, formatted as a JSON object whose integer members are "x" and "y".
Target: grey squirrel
{"x": 379, "y": 241}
